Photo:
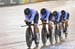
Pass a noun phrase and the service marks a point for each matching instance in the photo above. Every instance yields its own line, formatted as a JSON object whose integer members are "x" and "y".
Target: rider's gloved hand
{"x": 28, "y": 23}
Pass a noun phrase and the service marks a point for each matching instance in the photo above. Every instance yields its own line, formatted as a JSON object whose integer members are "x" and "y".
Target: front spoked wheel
{"x": 44, "y": 36}
{"x": 29, "y": 37}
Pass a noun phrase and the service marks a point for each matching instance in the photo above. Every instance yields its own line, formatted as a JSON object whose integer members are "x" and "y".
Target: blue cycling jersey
{"x": 31, "y": 18}
{"x": 45, "y": 17}
{"x": 66, "y": 16}
{"x": 58, "y": 17}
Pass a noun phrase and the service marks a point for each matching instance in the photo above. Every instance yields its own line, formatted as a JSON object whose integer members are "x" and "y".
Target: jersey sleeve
{"x": 33, "y": 15}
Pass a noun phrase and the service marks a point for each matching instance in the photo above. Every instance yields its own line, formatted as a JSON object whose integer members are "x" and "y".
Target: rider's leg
{"x": 37, "y": 38}
{"x": 66, "y": 31}
{"x": 60, "y": 31}
{"x": 63, "y": 28}
{"x": 37, "y": 35}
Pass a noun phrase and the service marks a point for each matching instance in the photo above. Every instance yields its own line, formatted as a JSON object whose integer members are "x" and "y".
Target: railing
{"x": 17, "y": 2}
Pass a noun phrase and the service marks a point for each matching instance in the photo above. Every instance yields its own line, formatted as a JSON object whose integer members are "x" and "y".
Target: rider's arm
{"x": 33, "y": 16}
{"x": 36, "y": 18}
{"x": 48, "y": 13}
{"x": 68, "y": 16}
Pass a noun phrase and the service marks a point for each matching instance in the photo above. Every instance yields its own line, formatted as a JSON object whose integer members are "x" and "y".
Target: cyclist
{"x": 65, "y": 19}
{"x": 32, "y": 16}
{"x": 58, "y": 25}
{"x": 45, "y": 17}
